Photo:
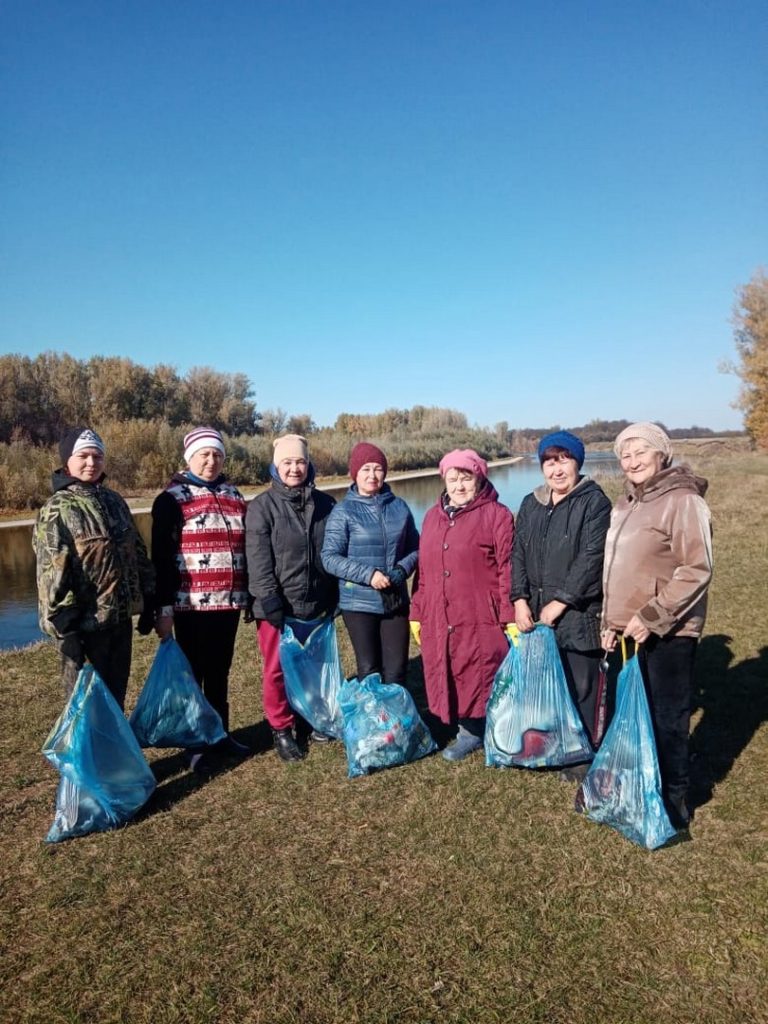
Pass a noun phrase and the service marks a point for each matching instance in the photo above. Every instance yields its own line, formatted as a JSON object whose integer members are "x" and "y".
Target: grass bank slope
{"x": 287, "y": 894}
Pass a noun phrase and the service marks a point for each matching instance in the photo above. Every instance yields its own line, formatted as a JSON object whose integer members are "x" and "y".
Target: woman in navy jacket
{"x": 557, "y": 567}
{"x": 371, "y": 544}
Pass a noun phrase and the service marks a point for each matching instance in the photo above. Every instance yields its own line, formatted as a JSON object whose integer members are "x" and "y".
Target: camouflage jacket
{"x": 92, "y": 565}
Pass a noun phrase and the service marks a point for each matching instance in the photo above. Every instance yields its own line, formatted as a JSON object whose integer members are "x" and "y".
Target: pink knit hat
{"x": 363, "y": 453}
{"x": 464, "y": 458}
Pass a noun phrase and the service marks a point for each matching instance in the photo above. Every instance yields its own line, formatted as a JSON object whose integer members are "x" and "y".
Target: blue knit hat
{"x": 563, "y": 439}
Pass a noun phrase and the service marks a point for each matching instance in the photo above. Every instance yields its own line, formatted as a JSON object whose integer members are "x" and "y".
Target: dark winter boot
{"x": 286, "y": 747}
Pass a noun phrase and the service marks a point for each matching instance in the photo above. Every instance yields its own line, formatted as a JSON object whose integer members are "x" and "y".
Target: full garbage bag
{"x": 105, "y": 778}
{"x": 309, "y": 657}
{"x": 172, "y": 710}
{"x": 623, "y": 785}
{"x": 382, "y": 727}
{"x": 531, "y": 720}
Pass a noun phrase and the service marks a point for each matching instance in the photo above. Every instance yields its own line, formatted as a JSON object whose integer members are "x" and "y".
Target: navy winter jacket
{"x": 558, "y": 556}
{"x": 366, "y": 534}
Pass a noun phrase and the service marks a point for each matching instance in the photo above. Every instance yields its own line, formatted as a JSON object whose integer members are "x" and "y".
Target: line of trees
{"x": 41, "y": 397}
{"x": 143, "y": 413}
{"x": 526, "y": 439}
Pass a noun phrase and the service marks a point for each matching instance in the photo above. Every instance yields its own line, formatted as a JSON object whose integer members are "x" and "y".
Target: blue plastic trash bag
{"x": 531, "y": 720}
{"x": 313, "y": 674}
{"x": 171, "y": 710}
{"x": 623, "y": 786}
{"x": 382, "y": 727}
{"x": 105, "y": 778}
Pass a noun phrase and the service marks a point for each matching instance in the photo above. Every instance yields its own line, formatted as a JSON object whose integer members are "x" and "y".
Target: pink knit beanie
{"x": 464, "y": 458}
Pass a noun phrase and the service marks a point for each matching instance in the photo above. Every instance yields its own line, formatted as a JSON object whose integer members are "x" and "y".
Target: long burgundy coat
{"x": 461, "y": 598}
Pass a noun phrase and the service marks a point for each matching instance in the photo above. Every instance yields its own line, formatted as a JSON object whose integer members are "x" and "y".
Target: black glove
{"x": 392, "y": 600}
{"x": 248, "y": 615}
{"x": 71, "y": 647}
{"x": 396, "y": 576}
{"x": 146, "y": 622}
{"x": 276, "y": 619}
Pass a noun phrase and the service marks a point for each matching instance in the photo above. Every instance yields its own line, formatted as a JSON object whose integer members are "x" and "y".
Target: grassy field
{"x": 282, "y": 894}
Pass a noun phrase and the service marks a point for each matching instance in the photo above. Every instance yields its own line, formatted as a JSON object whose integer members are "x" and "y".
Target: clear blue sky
{"x": 532, "y": 211}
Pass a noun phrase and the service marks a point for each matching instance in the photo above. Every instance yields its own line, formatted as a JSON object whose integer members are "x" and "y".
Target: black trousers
{"x": 208, "y": 640}
{"x": 108, "y": 650}
{"x": 667, "y": 667}
{"x": 582, "y": 672}
{"x": 380, "y": 643}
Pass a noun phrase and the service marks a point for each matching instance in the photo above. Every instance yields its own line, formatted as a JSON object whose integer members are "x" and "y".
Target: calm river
{"x": 18, "y": 598}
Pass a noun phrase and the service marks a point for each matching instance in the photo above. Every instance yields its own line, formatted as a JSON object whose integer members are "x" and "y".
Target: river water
{"x": 18, "y": 595}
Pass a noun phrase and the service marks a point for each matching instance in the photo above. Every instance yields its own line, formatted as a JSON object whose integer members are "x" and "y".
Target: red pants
{"x": 276, "y": 707}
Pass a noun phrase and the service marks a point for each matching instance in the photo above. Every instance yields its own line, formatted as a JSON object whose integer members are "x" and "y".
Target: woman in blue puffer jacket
{"x": 371, "y": 544}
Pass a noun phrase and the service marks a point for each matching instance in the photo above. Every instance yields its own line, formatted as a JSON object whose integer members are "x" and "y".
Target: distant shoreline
{"x": 694, "y": 446}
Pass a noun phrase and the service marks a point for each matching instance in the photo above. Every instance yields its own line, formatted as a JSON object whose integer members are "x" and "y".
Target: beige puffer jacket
{"x": 658, "y": 555}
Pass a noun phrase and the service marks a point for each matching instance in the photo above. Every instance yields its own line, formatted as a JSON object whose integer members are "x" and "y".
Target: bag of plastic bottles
{"x": 172, "y": 710}
{"x": 105, "y": 778}
{"x": 309, "y": 657}
{"x": 531, "y": 720}
{"x": 623, "y": 785}
{"x": 382, "y": 727}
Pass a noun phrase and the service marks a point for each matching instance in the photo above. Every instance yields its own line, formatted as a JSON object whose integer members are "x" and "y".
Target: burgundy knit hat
{"x": 363, "y": 453}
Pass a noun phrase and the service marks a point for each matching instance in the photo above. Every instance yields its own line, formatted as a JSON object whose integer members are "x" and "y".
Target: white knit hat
{"x": 202, "y": 437}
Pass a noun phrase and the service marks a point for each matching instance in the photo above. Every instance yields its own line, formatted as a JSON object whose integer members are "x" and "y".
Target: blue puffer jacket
{"x": 365, "y": 534}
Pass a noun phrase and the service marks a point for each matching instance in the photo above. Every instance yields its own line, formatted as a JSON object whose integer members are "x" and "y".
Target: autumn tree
{"x": 273, "y": 421}
{"x": 119, "y": 388}
{"x": 301, "y": 423}
{"x": 221, "y": 400}
{"x": 751, "y": 335}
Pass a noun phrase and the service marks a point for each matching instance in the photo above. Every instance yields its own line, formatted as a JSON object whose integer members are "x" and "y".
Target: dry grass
{"x": 287, "y": 893}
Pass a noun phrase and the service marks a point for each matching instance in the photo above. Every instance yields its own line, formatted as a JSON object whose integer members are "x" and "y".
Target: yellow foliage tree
{"x": 751, "y": 335}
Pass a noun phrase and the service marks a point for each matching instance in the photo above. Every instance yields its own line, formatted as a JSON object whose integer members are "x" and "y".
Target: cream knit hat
{"x": 289, "y": 446}
{"x": 648, "y": 432}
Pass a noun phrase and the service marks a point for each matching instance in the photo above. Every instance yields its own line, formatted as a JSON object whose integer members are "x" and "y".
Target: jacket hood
{"x": 60, "y": 479}
{"x": 486, "y": 495}
{"x": 275, "y": 477}
{"x": 543, "y": 492}
{"x": 297, "y": 496}
{"x": 673, "y": 479}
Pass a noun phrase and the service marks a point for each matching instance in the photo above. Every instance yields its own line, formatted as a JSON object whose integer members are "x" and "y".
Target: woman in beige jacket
{"x": 658, "y": 566}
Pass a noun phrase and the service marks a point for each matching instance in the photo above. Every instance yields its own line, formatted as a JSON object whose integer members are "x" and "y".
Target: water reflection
{"x": 18, "y": 596}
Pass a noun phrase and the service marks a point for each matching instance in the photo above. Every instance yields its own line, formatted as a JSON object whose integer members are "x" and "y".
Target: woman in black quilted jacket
{"x": 284, "y": 530}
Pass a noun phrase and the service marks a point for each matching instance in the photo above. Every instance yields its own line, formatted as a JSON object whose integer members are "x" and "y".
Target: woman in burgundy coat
{"x": 461, "y": 597}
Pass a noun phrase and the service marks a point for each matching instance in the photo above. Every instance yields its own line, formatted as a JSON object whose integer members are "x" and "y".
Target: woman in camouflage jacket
{"x": 92, "y": 566}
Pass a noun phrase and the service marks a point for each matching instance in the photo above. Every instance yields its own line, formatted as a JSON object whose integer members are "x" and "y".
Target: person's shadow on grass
{"x": 734, "y": 701}
{"x": 176, "y": 780}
